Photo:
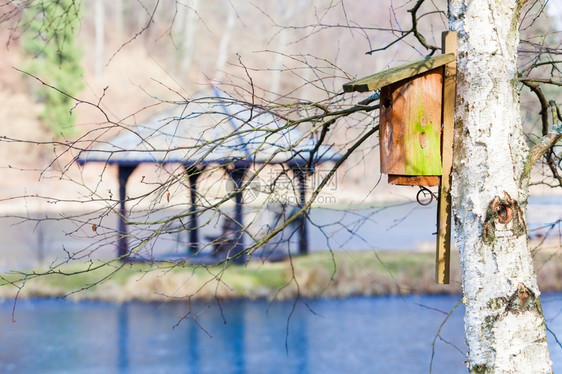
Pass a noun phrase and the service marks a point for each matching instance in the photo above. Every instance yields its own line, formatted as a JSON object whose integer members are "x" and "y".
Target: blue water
{"x": 374, "y": 335}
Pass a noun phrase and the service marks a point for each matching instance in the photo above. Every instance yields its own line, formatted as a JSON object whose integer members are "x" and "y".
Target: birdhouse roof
{"x": 396, "y": 74}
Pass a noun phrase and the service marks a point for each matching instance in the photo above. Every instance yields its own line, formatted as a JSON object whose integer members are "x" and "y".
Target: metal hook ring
{"x": 425, "y": 190}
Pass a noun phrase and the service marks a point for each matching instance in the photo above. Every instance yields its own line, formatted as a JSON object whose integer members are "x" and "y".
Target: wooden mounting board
{"x": 443, "y": 252}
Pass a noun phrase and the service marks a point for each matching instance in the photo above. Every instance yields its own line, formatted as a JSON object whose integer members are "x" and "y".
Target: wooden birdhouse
{"x": 410, "y": 129}
{"x": 411, "y": 117}
{"x": 417, "y": 104}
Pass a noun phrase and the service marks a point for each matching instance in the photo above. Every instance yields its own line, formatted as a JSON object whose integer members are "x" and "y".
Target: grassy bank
{"x": 343, "y": 274}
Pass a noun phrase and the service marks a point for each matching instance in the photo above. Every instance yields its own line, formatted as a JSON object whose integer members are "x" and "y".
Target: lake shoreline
{"x": 317, "y": 275}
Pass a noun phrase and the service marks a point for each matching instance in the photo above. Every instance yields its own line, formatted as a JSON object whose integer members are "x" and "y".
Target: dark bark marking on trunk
{"x": 503, "y": 216}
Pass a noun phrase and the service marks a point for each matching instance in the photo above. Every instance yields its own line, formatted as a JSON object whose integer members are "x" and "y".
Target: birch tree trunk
{"x": 118, "y": 19}
{"x": 189, "y": 30}
{"x": 222, "y": 53}
{"x": 100, "y": 35}
{"x": 286, "y": 8}
{"x": 504, "y": 323}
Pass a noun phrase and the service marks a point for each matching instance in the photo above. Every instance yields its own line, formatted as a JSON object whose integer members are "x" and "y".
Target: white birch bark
{"x": 504, "y": 324}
